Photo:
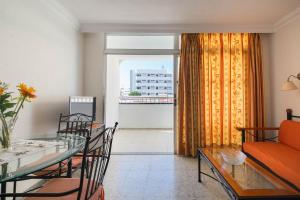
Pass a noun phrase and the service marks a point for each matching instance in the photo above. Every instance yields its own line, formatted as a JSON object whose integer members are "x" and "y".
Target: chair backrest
{"x": 289, "y": 133}
{"x": 96, "y": 160}
{"x": 77, "y": 123}
{"x": 290, "y": 115}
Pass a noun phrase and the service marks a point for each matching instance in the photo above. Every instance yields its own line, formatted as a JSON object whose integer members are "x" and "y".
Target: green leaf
{"x": 4, "y": 97}
{"x": 9, "y": 114}
{"x": 9, "y": 105}
{"x": 6, "y": 106}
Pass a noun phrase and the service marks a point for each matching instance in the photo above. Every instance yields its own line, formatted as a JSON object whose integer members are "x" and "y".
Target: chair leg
{"x": 59, "y": 169}
{"x": 15, "y": 189}
{"x": 69, "y": 172}
{"x": 87, "y": 168}
{"x": 3, "y": 189}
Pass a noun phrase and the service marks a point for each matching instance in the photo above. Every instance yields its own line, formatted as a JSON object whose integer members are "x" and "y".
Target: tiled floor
{"x": 158, "y": 177}
{"x": 143, "y": 141}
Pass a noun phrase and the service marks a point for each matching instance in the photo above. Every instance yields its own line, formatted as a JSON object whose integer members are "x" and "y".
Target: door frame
{"x": 175, "y": 52}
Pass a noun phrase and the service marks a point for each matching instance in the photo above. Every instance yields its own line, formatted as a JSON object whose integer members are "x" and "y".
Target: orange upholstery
{"x": 289, "y": 134}
{"x": 63, "y": 185}
{"x": 76, "y": 161}
{"x": 279, "y": 157}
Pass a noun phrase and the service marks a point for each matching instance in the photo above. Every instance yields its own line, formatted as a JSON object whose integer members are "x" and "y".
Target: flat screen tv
{"x": 83, "y": 104}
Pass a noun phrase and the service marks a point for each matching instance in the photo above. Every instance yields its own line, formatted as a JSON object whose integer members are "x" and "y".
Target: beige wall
{"x": 39, "y": 47}
{"x": 285, "y": 60}
{"x": 94, "y": 70}
{"x": 265, "y": 42}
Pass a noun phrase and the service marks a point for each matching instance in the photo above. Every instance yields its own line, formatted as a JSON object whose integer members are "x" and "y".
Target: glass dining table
{"x": 26, "y": 157}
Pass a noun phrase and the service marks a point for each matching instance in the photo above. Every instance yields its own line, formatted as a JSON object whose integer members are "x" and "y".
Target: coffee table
{"x": 247, "y": 180}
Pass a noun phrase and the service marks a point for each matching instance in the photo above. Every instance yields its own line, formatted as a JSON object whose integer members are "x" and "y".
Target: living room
{"x": 236, "y": 81}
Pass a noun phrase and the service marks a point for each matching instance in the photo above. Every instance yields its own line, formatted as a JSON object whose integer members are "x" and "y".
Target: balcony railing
{"x": 146, "y": 100}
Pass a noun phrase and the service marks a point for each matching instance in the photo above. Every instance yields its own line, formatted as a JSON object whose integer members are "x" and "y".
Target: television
{"x": 83, "y": 104}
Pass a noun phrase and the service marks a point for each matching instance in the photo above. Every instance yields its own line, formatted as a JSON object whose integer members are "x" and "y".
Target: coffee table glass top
{"x": 246, "y": 174}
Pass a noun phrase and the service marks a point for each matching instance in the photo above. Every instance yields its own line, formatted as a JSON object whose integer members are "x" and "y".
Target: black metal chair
{"x": 90, "y": 183}
{"x": 78, "y": 123}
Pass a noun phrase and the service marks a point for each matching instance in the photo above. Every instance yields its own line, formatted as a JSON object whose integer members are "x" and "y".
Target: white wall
{"x": 39, "y": 47}
{"x": 146, "y": 115}
{"x": 94, "y": 70}
{"x": 113, "y": 90}
{"x": 285, "y": 60}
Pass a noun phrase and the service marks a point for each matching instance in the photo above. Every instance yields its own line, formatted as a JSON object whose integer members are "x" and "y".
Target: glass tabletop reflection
{"x": 28, "y": 156}
{"x": 245, "y": 174}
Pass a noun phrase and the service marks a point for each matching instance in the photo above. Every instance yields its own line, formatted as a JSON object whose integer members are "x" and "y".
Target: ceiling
{"x": 212, "y": 13}
{"x": 180, "y": 11}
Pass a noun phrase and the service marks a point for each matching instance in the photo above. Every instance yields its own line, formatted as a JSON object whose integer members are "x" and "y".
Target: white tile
{"x": 161, "y": 177}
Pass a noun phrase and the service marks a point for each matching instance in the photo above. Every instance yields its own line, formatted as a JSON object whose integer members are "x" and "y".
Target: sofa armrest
{"x": 244, "y": 129}
{"x": 257, "y": 129}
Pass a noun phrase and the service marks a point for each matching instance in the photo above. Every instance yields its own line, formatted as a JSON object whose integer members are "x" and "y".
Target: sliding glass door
{"x": 141, "y": 81}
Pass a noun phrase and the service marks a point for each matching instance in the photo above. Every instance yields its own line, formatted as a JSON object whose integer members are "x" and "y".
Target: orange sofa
{"x": 282, "y": 157}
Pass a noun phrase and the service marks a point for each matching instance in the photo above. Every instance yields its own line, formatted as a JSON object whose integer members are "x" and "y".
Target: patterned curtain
{"x": 224, "y": 84}
{"x": 189, "y": 98}
{"x": 230, "y": 93}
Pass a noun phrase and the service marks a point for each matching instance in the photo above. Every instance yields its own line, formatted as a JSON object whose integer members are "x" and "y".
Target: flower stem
{"x": 5, "y": 131}
{"x": 19, "y": 106}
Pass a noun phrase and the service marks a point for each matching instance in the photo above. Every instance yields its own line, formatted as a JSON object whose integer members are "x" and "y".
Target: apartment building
{"x": 151, "y": 82}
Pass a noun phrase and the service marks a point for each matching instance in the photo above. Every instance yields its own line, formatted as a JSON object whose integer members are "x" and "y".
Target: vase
{"x": 6, "y": 137}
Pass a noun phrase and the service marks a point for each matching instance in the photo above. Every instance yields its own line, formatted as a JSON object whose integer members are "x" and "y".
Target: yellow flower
{"x": 26, "y": 91}
{"x": 1, "y": 90}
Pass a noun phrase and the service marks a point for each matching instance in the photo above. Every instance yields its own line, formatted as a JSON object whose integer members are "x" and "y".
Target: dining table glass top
{"x": 28, "y": 156}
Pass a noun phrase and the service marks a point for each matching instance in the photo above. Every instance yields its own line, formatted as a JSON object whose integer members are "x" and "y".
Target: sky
{"x": 132, "y": 64}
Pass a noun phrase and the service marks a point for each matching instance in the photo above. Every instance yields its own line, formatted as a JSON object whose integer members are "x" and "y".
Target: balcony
{"x": 146, "y": 100}
{"x": 145, "y": 125}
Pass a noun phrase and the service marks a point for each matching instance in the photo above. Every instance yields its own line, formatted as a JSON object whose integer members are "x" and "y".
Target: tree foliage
{"x": 135, "y": 93}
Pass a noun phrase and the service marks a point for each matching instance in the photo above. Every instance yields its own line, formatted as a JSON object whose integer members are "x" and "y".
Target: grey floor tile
{"x": 158, "y": 177}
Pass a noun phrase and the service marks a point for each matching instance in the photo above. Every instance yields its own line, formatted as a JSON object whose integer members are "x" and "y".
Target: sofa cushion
{"x": 280, "y": 158}
{"x": 289, "y": 133}
{"x": 59, "y": 185}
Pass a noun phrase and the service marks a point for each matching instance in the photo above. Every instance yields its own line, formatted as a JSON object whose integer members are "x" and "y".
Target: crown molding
{"x": 58, "y": 9}
{"x": 287, "y": 19}
{"x": 92, "y": 27}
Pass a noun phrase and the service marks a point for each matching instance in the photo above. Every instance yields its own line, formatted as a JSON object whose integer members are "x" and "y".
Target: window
{"x": 145, "y": 70}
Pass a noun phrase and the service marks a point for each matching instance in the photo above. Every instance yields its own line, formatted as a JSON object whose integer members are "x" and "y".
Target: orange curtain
{"x": 220, "y": 88}
{"x": 188, "y": 104}
{"x": 224, "y": 83}
{"x": 256, "y": 89}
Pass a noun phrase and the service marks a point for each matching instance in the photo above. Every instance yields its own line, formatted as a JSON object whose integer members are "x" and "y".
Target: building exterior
{"x": 151, "y": 82}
